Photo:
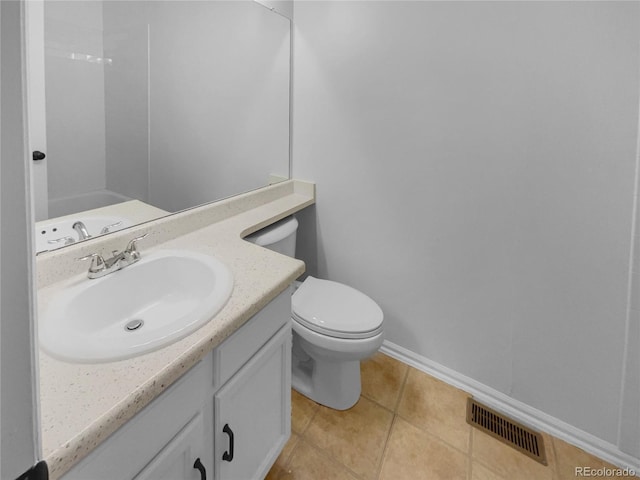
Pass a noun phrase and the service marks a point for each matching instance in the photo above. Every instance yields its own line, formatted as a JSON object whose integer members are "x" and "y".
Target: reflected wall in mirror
{"x": 153, "y": 107}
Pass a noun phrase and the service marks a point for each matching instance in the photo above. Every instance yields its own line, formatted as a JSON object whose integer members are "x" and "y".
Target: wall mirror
{"x": 153, "y": 107}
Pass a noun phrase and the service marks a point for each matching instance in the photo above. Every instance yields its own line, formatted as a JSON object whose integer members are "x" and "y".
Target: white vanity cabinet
{"x": 182, "y": 457}
{"x": 253, "y": 413}
{"x": 227, "y": 418}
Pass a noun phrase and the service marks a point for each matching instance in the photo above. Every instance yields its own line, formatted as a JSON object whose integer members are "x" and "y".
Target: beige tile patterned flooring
{"x": 408, "y": 425}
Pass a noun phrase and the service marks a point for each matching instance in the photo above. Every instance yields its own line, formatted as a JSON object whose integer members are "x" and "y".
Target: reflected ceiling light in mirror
{"x": 82, "y": 57}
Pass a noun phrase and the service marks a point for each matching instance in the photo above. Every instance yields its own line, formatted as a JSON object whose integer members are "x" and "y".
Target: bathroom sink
{"x": 160, "y": 299}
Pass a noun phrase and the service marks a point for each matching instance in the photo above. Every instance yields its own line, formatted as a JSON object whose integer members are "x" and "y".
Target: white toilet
{"x": 334, "y": 327}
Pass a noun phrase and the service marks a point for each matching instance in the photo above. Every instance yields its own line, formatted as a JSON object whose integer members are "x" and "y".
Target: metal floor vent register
{"x": 506, "y": 430}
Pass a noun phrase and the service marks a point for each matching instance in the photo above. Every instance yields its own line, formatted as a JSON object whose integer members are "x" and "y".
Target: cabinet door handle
{"x": 203, "y": 472}
{"x": 228, "y": 456}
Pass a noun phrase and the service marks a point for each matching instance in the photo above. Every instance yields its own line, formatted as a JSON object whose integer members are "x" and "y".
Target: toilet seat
{"x": 336, "y": 310}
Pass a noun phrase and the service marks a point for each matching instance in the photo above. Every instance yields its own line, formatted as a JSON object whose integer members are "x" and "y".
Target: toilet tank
{"x": 279, "y": 237}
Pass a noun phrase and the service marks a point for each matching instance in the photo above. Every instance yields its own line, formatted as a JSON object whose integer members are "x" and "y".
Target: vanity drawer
{"x": 236, "y": 350}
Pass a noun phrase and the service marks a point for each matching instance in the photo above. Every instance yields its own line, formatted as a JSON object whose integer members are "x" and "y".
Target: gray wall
{"x": 74, "y": 97}
{"x": 126, "y": 105}
{"x": 19, "y": 445}
{"x": 218, "y": 99}
{"x": 475, "y": 167}
{"x": 179, "y": 103}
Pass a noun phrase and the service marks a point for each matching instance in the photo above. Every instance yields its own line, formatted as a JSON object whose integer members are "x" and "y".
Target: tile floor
{"x": 408, "y": 425}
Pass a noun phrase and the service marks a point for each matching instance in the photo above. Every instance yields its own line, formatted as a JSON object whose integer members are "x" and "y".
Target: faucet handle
{"x": 108, "y": 228}
{"x": 132, "y": 246}
{"x": 57, "y": 241}
{"x": 97, "y": 262}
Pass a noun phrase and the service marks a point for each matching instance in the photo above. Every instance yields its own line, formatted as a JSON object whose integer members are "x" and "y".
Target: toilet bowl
{"x": 334, "y": 327}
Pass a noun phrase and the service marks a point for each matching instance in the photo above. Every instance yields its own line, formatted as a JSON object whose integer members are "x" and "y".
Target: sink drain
{"x": 134, "y": 325}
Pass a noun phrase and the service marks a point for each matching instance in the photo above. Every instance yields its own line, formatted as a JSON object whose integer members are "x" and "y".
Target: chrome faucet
{"x": 100, "y": 267}
{"x": 83, "y": 233}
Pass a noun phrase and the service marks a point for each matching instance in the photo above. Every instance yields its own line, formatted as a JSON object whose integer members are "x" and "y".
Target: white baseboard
{"x": 515, "y": 409}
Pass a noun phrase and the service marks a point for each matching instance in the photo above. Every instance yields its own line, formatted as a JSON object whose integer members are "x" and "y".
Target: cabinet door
{"x": 253, "y": 413}
{"x": 138, "y": 443}
{"x": 182, "y": 457}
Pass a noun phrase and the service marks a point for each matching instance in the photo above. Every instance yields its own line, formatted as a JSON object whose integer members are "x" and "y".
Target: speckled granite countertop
{"x": 82, "y": 404}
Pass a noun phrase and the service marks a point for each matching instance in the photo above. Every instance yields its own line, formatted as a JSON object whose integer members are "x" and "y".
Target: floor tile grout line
{"x": 411, "y": 422}
{"x": 329, "y": 454}
{"x": 331, "y": 458}
{"x": 311, "y": 419}
{"x": 386, "y": 447}
{"x": 556, "y": 469}
{"x": 295, "y": 447}
{"x": 470, "y": 453}
{"x": 431, "y": 434}
{"x": 392, "y": 408}
{"x": 312, "y": 443}
{"x": 363, "y": 395}
{"x": 401, "y": 391}
{"x": 384, "y": 407}
{"x": 285, "y": 466}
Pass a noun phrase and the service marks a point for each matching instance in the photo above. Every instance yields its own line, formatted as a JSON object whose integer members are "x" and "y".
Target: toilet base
{"x": 333, "y": 384}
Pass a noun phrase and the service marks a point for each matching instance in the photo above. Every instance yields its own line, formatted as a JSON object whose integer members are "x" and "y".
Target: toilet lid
{"x": 336, "y": 310}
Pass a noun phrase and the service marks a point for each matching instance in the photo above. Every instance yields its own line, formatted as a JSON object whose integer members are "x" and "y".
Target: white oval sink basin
{"x": 160, "y": 299}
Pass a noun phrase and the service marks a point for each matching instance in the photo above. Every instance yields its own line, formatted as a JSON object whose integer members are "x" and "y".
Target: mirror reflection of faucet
{"x": 53, "y": 235}
{"x": 62, "y": 241}
{"x": 83, "y": 233}
{"x": 108, "y": 228}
